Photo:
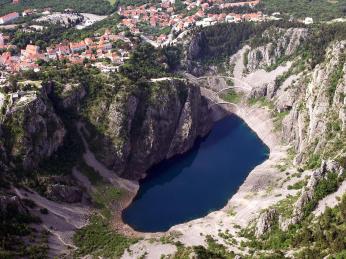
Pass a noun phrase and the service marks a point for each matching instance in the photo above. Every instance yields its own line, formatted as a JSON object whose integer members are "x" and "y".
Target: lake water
{"x": 198, "y": 182}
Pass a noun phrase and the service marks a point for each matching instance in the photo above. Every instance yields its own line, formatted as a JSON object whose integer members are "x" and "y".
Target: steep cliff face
{"x": 281, "y": 42}
{"x": 146, "y": 127}
{"x": 318, "y": 109}
{"x": 312, "y": 98}
{"x": 31, "y": 130}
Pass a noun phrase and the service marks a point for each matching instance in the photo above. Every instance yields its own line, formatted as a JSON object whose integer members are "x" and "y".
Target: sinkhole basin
{"x": 192, "y": 185}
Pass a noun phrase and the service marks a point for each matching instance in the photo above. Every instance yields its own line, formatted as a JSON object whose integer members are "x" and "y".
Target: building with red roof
{"x": 9, "y": 17}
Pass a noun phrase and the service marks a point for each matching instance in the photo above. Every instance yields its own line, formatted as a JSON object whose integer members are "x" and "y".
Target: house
{"x": 9, "y": 17}
{"x": 78, "y": 46}
{"x": 52, "y": 53}
{"x": 153, "y": 21}
{"x": 27, "y": 12}
{"x": 308, "y": 20}
{"x": 105, "y": 46}
{"x": 32, "y": 49}
{"x": 63, "y": 50}
{"x": 5, "y": 57}
{"x": 229, "y": 18}
{"x": 205, "y": 6}
{"x": 89, "y": 41}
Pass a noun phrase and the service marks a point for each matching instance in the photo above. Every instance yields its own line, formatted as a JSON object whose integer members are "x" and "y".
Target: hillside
{"x": 319, "y": 10}
{"x": 89, "y": 6}
{"x": 76, "y": 142}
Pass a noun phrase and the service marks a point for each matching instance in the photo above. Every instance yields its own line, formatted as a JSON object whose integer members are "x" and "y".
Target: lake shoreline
{"x": 259, "y": 121}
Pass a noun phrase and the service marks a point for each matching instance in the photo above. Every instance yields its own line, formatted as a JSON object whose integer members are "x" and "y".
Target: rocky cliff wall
{"x": 313, "y": 99}
{"x": 31, "y": 130}
{"x": 142, "y": 129}
{"x": 281, "y": 43}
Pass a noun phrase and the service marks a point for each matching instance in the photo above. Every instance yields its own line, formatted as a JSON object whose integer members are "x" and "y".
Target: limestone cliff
{"x": 312, "y": 98}
{"x": 280, "y": 43}
{"x": 31, "y": 129}
{"x": 143, "y": 128}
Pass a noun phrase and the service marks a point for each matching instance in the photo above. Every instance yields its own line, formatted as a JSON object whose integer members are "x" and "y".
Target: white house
{"x": 308, "y": 20}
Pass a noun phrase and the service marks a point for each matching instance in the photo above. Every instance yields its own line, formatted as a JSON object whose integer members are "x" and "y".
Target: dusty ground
{"x": 61, "y": 221}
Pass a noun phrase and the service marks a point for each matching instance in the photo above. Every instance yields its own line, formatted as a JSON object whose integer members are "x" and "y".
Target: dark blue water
{"x": 196, "y": 183}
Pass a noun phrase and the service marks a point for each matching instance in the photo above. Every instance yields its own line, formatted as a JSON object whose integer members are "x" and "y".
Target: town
{"x": 157, "y": 24}
{"x": 167, "y": 19}
{"x": 91, "y": 49}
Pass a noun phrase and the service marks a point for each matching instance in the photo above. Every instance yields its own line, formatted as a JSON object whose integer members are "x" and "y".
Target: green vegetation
{"x": 246, "y": 57}
{"x": 14, "y": 226}
{"x": 285, "y": 206}
{"x": 317, "y": 9}
{"x": 278, "y": 117}
{"x": 222, "y": 40}
{"x": 137, "y": 2}
{"x": 297, "y": 186}
{"x": 213, "y": 250}
{"x": 314, "y": 239}
{"x": 98, "y": 239}
{"x": 146, "y": 28}
{"x": 103, "y": 196}
{"x": 86, "y": 6}
{"x": 325, "y": 186}
{"x": 335, "y": 78}
{"x": 144, "y": 63}
{"x": 232, "y": 96}
{"x": 313, "y": 162}
{"x": 314, "y": 49}
{"x": 262, "y": 102}
{"x": 236, "y": 9}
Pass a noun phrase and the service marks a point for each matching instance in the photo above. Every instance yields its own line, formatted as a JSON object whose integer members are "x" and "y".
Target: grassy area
{"x": 99, "y": 240}
{"x": 232, "y": 96}
{"x": 317, "y": 9}
{"x": 262, "y": 102}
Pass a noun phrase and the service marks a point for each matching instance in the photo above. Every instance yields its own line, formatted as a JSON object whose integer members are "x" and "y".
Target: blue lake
{"x": 198, "y": 182}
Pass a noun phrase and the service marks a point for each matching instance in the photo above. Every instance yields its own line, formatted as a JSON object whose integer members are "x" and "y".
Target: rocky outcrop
{"x": 313, "y": 98}
{"x": 196, "y": 47}
{"x": 32, "y": 131}
{"x": 72, "y": 96}
{"x": 196, "y": 50}
{"x": 307, "y": 194}
{"x": 64, "y": 193}
{"x": 319, "y": 103}
{"x": 282, "y": 42}
{"x": 265, "y": 222}
{"x": 144, "y": 130}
